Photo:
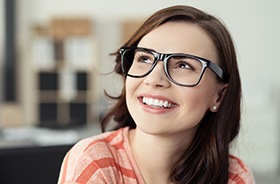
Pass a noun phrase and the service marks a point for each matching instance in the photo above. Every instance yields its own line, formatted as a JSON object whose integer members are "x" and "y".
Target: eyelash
{"x": 140, "y": 57}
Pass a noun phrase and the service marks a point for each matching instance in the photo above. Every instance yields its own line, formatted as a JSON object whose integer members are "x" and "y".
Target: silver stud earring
{"x": 215, "y": 107}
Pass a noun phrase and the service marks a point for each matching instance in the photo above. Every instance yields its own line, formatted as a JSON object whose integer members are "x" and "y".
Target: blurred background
{"x": 55, "y": 64}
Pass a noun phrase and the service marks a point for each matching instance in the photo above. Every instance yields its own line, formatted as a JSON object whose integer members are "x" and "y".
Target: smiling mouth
{"x": 156, "y": 103}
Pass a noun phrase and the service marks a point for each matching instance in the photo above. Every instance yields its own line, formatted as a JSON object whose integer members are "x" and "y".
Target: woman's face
{"x": 188, "y": 104}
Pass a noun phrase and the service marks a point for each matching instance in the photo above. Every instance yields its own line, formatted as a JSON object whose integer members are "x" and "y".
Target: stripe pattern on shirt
{"x": 107, "y": 159}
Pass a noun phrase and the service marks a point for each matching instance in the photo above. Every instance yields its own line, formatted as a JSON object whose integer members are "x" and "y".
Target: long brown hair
{"x": 206, "y": 160}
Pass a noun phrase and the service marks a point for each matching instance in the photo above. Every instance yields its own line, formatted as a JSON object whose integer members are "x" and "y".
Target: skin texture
{"x": 172, "y": 129}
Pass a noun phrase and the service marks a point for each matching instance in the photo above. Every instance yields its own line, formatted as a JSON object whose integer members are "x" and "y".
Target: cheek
{"x": 196, "y": 99}
{"x": 195, "y": 106}
{"x": 130, "y": 88}
{"x": 205, "y": 93}
{"x": 131, "y": 97}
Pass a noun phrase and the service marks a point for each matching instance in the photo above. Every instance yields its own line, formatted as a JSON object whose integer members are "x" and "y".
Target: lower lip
{"x": 150, "y": 109}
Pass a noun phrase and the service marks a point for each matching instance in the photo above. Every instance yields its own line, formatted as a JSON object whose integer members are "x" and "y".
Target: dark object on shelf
{"x": 48, "y": 112}
{"x": 82, "y": 81}
{"x": 10, "y": 61}
{"x": 78, "y": 113}
{"x": 48, "y": 81}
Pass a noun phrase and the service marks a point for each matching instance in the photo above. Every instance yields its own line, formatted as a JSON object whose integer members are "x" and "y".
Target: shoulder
{"x": 104, "y": 145}
{"x": 108, "y": 140}
{"x": 95, "y": 157}
{"x": 98, "y": 146}
{"x": 239, "y": 172}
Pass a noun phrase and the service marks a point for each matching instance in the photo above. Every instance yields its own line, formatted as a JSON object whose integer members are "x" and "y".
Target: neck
{"x": 156, "y": 155}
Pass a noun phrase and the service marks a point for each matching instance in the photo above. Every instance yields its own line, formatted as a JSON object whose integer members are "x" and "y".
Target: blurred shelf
{"x": 22, "y": 137}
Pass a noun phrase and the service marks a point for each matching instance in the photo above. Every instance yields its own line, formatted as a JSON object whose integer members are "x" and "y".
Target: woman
{"x": 178, "y": 112}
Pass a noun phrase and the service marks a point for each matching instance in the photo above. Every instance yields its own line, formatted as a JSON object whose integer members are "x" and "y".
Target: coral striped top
{"x": 107, "y": 158}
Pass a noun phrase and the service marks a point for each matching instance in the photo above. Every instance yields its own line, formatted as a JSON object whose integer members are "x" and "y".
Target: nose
{"x": 157, "y": 77}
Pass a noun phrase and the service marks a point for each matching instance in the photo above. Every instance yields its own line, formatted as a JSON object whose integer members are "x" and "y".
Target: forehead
{"x": 180, "y": 37}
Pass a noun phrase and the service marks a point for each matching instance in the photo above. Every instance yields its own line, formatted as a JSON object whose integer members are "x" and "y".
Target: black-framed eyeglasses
{"x": 182, "y": 69}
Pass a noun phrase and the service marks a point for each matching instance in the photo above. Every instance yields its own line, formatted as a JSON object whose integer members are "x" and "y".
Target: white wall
{"x": 254, "y": 25}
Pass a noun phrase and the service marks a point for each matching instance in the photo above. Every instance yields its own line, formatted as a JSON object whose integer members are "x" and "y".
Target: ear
{"x": 217, "y": 100}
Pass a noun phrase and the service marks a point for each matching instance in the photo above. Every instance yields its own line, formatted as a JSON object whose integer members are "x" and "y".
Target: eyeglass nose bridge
{"x": 161, "y": 57}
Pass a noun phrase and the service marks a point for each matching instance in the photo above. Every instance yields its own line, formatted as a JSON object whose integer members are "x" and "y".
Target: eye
{"x": 143, "y": 57}
{"x": 183, "y": 65}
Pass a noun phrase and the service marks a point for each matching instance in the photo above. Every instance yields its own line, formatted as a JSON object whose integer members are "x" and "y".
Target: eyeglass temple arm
{"x": 218, "y": 71}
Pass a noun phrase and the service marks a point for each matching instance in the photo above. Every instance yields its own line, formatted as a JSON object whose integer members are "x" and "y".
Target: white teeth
{"x": 150, "y": 101}
{"x": 165, "y": 104}
{"x": 156, "y": 102}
